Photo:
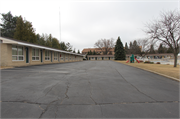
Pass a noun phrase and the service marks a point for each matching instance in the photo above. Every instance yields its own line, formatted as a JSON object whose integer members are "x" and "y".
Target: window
{"x": 35, "y": 54}
{"x": 47, "y": 55}
{"x": 61, "y": 56}
{"x": 92, "y": 58}
{"x": 55, "y": 56}
{"x": 17, "y": 53}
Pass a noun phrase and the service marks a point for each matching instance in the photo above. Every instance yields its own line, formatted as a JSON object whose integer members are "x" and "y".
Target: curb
{"x": 6, "y": 68}
{"x": 155, "y": 73}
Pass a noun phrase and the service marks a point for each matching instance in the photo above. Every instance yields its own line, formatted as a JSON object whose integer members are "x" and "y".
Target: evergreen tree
{"x": 29, "y": 32}
{"x": 135, "y": 48}
{"x": 161, "y": 49}
{"x": 55, "y": 43}
{"x": 94, "y": 53}
{"x": 19, "y": 29}
{"x": 130, "y": 48}
{"x": 40, "y": 39}
{"x": 90, "y": 53}
{"x": 24, "y": 31}
{"x": 119, "y": 50}
{"x": 74, "y": 51}
{"x": 151, "y": 49}
{"x": 78, "y": 52}
{"x": 63, "y": 46}
{"x": 49, "y": 40}
{"x": 169, "y": 50}
{"x": 126, "y": 48}
{"x": 8, "y": 25}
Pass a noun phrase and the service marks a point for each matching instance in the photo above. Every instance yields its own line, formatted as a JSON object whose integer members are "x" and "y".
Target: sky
{"x": 83, "y": 22}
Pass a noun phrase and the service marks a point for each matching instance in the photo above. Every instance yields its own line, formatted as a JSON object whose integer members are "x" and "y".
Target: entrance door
{"x": 102, "y": 58}
{"x": 41, "y": 56}
{"x": 96, "y": 58}
{"x": 51, "y": 56}
{"x": 27, "y": 55}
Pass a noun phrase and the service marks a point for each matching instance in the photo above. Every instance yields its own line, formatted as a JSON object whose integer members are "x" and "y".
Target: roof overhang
{"x": 9, "y": 41}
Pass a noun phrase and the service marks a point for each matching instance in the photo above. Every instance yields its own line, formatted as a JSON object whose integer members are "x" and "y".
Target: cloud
{"x": 84, "y": 22}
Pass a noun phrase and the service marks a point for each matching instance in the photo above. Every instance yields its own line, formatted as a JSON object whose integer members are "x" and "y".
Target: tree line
{"x": 143, "y": 47}
{"x": 92, "y": 53}
{"x": 18, "y": 28}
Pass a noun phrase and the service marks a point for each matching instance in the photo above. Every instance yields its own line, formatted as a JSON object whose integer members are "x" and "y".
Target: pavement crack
{"x": 51, "y": 88}
{"x": 44, "y": 111}
{"x": 28, "y": 102}
{"x": 91, "y": 92}
{"x": 101, "y": 111}
{"x": 67, "y": 88}
{"x": 135, "y": 86}
{"x": 56, "y": 111}
{"x": 41, "y": 107}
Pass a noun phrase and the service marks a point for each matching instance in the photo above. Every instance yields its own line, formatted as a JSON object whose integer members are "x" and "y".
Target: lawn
{"x": 168, "y": 70}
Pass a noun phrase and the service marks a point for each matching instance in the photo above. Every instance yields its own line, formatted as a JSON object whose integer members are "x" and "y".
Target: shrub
{"x": 147, "y": 62}
{"x": 140, "y": 61}
{"x": 158, "y": 63}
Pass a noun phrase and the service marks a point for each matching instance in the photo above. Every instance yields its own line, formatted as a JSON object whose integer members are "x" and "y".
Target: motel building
{"x": 100, "y": 57}
{"x": 110, "y": 55}
{"x": 163, "y": 56}
{"x": 21, "y": 53}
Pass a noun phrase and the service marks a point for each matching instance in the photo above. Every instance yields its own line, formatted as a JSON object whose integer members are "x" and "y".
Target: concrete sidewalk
{"x": 90, "y": 89}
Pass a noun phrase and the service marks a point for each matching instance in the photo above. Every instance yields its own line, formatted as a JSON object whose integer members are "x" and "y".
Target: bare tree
{"x": 166, "y": 30}
{"x": 105, "y": 45}
{"x": 144, "y": 45}
{"x": 69, "y": 47}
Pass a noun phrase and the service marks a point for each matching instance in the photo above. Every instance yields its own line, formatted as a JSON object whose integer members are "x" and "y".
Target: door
{"x": 41, "y": 56}
{"x": 51, "y": 56}
{"x": 27, "y": 55}
{"x": 102, "y": 58}
{"x": 58, "y": 56}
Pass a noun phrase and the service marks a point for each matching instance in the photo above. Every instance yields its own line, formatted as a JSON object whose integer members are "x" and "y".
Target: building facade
{"x": 20, "y": 53}
{"x": 148, "y": 56}
{"x": 98, "y": 51}
{"x": 100, "y": 57}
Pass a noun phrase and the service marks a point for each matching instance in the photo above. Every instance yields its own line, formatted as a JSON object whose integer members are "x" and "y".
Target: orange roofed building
{"x": 97, "y": 50}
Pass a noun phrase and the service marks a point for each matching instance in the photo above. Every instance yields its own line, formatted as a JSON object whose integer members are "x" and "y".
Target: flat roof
{"x": 100, "y": 55}
{"x": 24, "y": 43}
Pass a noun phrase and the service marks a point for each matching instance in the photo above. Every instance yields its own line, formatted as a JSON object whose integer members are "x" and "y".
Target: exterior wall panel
{"x": 6, "y": 57}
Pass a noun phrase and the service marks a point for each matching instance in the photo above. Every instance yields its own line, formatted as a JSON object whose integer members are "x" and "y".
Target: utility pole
{"x": 59, "y": 26}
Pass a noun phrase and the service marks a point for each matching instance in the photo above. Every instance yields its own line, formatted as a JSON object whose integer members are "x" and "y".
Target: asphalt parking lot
{"x": 88, "y": 89}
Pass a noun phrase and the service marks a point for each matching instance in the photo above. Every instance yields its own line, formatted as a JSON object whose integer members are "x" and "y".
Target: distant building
{"x": 97, "y": 50}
